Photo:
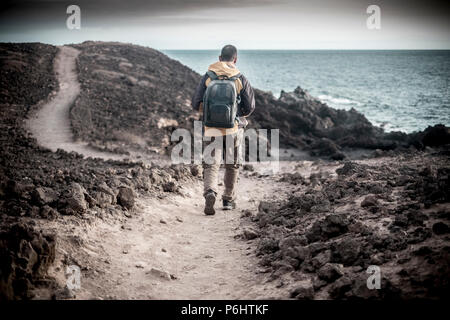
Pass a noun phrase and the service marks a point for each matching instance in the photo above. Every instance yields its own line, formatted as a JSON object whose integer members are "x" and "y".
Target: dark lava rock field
{"x": 393, "y": 214}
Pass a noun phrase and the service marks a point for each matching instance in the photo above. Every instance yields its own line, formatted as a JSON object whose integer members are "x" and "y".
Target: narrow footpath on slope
{"x": 51, "y": 124}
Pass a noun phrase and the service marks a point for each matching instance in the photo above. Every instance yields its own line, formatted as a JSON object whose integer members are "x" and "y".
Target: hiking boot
{"x": 228, "y": 204}
{"x": 210, "y": 200}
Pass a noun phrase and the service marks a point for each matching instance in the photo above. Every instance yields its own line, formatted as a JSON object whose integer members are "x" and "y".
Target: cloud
{"x": 257, "y": 23}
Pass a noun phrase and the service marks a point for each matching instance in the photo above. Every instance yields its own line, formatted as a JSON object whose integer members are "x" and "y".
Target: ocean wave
{"x": 339, "y": 101}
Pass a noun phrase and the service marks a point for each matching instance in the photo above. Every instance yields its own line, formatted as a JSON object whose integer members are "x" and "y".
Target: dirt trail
{"x": 199, "y": 256}
{"x": 51, "y": 124}
{"x": 172, "y": 235}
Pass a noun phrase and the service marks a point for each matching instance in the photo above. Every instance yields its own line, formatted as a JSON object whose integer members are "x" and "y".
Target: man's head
{"x": 228, "y": 54}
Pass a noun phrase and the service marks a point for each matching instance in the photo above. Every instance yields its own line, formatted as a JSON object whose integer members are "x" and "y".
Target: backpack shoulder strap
{"x": 211, "y": 75}
{"x": 235, "y": 77}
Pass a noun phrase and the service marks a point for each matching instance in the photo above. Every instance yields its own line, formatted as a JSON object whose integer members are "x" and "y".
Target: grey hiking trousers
{"x": 226, "y": 150}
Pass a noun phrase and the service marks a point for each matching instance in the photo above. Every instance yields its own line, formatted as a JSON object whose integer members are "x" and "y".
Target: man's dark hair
{"x": 229, "y": 52}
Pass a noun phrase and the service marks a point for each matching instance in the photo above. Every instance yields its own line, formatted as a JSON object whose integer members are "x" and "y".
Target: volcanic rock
{"x": 437, "y": 135}
{"x": 249, "y": 233}
{"x": 441, "y": 228}
{"x": 331, "y": 226}
{"x": 44, "y": 195}
{"x": 330, "y": 272}
{"x": 304, "y": 290}
{"x": 346, "y": 251}
{"x": 25, "y": 256}
{"x": 126, "y": 197}
{"x": 73, "y": 200}
{"x": 369, "y": 201}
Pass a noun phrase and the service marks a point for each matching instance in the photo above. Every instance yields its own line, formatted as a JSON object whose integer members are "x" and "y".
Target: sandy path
{"x": 171, "y": 234}
{"x": 51, "y": 124}
{"x": 201, "y": 252}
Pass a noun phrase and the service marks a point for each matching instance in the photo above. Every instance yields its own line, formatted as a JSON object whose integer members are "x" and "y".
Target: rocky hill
{"x": 134, "y": 97}
{"x": 131, "y": 97}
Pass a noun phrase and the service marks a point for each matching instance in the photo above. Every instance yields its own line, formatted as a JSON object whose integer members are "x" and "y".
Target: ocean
{"x": 397, "y": 90}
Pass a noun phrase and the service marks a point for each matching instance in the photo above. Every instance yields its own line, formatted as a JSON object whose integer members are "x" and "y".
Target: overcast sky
{"x": 249, "y": 24}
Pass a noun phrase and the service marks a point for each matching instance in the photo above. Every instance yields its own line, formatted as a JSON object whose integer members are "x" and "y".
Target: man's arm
{"x": 197, "y": 98}
{"x": 247, "y": 105}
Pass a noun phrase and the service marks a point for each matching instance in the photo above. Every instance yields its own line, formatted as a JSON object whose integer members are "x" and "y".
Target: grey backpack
{"x": 220, "y": 102}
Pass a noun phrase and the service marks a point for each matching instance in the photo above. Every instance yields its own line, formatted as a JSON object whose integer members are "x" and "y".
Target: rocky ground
{"x": 310, "y": 231}
{"x": 340, "y": 218}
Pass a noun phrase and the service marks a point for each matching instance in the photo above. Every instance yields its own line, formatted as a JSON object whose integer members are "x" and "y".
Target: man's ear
{"x": 220, "y": 58}
{"x": 235, "y": 60}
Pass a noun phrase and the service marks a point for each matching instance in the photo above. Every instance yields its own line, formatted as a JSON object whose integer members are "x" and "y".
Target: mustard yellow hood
{"x": 221, "y": 68}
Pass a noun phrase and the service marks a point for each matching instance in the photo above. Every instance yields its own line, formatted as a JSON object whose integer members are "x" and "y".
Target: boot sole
{"x": 210, "y": 200}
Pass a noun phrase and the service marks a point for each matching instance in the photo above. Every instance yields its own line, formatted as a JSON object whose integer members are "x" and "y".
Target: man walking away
{"x": 225, "y": 97}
